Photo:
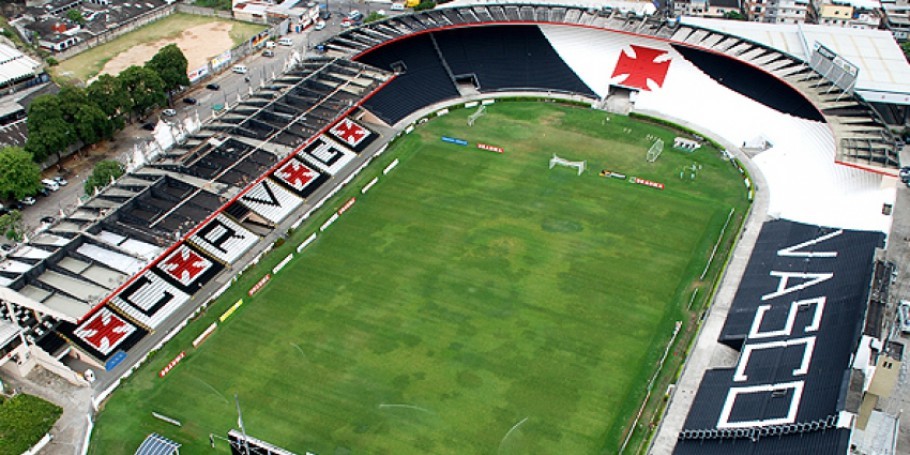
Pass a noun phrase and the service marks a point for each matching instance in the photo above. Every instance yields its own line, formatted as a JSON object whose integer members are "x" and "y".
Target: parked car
{"x": 319, "y": 25}
{"x": 903, "y": 316}
{"x": 213, "y": 86}
{"x": 347, "y": 22}
{"x": 190, "y": 100}
{"x": 325, "y": 15}
{"x": 148, "y": 126}
{"x": 169, "y": 112}
{"x": 28, "y": 200}
{"x": 60, "y": 181}
{"x": 355, "y": 15}
{"x": 905, "y": 174}
{"x": 48, "y": 220}
{"x": 52, "y": 184}
{"x": 6, "y": 246}
{"x": 43, "y": 192}
{"x": 268, "y": 53}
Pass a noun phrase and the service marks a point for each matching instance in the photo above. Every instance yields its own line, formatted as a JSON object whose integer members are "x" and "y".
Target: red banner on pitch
{"x": 171, "y": 365}
{"x": 491, "y": 148}
{"x": 347, "y": 205}
{"x": 259, "y": 284}
{"x": 644, "y": 182}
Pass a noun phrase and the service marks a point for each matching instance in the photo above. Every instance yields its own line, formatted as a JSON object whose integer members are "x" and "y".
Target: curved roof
{"x": 862, "y": 139}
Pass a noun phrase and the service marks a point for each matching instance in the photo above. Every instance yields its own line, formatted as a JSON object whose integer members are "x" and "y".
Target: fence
{"x": 126, "y": 27}
{"x": 203, "y": 11}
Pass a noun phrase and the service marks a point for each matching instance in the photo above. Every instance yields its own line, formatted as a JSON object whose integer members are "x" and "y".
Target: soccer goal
{"x": 656, "y": 149}
{"x": 580, "y": 165}
{"x": 476, "y": 115}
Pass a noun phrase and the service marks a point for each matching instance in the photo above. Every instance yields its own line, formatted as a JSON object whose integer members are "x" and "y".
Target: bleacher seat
{"x": 508, "y": 58}
{"x": 424, "y": 83}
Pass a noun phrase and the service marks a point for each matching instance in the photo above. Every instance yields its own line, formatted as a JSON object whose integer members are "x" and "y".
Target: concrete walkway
{"x": 707, "y": 352}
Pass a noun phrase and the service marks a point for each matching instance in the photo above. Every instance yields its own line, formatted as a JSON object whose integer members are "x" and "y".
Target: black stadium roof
{"x": 797, "y": 318}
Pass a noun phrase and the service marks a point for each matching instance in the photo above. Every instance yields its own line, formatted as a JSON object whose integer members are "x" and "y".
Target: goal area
{"x": 557, "y": 161}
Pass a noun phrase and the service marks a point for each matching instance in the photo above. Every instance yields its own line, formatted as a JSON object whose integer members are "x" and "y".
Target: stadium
{"x": 178, "y": 251}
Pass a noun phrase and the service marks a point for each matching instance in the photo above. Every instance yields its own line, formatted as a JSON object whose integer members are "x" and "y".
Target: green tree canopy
{"x": 89, "y": 122}
{"x": 143, "y": 87}
{"x": 48, "y": 130}
{"x": 102, "y": 174}
{"x": 373, "y": 17}
{"x": 21, "y": 177}
{"x": 11, "y": 225}
{"x": 906, "y": 48}
{"x": 76, "y": 16}
{"x": 107, "y": 93}
{"x": 170, "y": 64}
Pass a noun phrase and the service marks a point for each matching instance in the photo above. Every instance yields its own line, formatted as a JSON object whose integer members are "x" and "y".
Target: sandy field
{"x": 199, "y": 44}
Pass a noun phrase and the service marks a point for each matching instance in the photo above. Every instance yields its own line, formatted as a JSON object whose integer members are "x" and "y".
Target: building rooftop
{"x": 884, "y": 74}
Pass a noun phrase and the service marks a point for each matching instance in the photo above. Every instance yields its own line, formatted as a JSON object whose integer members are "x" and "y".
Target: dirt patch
{"x": 197, "y": 50}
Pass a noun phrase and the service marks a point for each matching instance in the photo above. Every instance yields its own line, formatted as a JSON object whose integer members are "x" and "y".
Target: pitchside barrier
{"x": 88, "y": 434}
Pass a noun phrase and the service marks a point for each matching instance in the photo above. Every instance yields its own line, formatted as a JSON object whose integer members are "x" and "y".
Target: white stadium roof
{"x": 15, "y": 65}
{"x": 884, "y": 74}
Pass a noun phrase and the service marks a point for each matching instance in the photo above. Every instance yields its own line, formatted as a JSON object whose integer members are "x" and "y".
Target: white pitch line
{"x": 212, "y": 389}
{"x": 408, "y": 406}
{"x": 299, "y": 349}
{"x": 514, "y": 427}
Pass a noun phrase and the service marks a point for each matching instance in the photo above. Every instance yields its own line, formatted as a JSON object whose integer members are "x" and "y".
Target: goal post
{"x": 579, "y": 165}
{"x": 656, "y": 149}
{"x": 477, "y": 114}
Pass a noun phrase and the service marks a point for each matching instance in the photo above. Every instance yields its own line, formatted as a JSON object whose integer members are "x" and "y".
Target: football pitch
{"x": 471, "y": 302}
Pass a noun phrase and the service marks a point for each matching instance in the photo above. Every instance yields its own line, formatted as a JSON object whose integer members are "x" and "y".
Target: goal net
{"x": 656, "y": 149}
{"x": 579, "y": 165}
{"x": 476, "y": 115}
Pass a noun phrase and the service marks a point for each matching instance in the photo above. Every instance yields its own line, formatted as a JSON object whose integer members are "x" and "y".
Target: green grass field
{"x": 88, "y": 64}
{"x": 24, "y": 420}
{"x": 471, "y": 302}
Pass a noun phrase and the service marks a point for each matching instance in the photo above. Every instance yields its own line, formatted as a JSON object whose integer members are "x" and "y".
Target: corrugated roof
{"x": 15, "y": 65}
{"x": 884, "y": 74}
{"x": 155, "y": 444}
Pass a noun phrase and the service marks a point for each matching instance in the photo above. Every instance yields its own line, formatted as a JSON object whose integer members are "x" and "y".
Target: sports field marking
{"x": 299, "y": 349}
{"x": 509, "y": 433}
{"x": 212, "y": 389}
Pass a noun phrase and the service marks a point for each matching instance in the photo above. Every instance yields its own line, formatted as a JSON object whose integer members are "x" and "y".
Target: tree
{"x": 734, "y": 15}
{"x": 21, "y": 177}
{"x": 91, "y": 124}
{"x": 170, "y": 64}
{"x": 11, "y": 225}
{"x": 75, "y": 15}
{"x": 425, "y": 5}
{"x": 373, "y": 17}
{"x": 107, "y": 93}
{"x": 102, "y": 174}
{"x": 143, "y": 87}
{"x": 905, "y": 46}
{"x": 48, "y": 131}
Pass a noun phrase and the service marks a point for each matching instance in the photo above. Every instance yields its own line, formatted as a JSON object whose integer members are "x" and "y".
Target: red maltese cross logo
{"x": 642, "y": 68}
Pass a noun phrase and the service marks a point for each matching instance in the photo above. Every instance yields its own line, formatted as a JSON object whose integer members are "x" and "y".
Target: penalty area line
{"x": 509, "y": 433}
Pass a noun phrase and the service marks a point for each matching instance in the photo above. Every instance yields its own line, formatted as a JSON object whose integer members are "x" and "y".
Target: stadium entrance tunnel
{"x": 751, "y": 82}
